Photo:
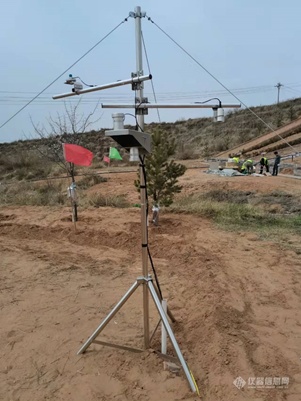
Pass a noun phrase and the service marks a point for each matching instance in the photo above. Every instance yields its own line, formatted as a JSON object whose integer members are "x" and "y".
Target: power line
{"x": 251, "y": 88}
{"x": 18, "y": 97}
{"x": 218, "y": 81}
{"x": 290, "y": 93}
{"x": 292, "y": 89}
{"x": 15, "y": 100}
{"x": 45, "y": 101}
{"x": 67, "y": 69}
{"x": 126, "y": 96}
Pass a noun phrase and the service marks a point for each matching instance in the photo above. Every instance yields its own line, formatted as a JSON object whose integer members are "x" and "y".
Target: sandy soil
{"x": 237, "y": 302}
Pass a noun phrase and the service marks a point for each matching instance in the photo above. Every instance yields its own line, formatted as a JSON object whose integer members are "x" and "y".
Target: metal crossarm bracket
{"x": 137, "y": 85}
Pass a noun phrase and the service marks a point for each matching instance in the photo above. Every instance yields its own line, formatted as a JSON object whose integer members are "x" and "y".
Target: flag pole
{"x": 72, "y": 196}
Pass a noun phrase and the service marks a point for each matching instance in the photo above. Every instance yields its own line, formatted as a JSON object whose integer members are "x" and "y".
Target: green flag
{"x": 114, "y": 154}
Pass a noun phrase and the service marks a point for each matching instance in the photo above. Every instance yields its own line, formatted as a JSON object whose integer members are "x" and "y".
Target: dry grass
{"x": 99, "y": 200}
{"x": 244, "y": 212}
{"x": 24, "y": 165}
{"x": 33, "y": 194}
{"x": 90, "y": 180}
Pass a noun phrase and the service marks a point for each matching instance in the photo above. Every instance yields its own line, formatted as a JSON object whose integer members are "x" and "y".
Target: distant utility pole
{"x": 278, "y": 86}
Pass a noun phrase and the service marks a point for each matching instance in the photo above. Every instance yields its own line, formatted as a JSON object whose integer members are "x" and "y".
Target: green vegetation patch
{"x": 243, "y": 210}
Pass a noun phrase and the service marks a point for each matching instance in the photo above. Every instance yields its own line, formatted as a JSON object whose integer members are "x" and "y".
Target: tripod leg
{"x": 171, "y": 335}
{"x": 109, "y": 317}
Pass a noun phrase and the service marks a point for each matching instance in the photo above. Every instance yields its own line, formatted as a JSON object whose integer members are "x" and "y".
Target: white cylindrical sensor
{"x": 220, "y": 115}
{"x": 134, "y": 155}
{"x": 118, "y": 121}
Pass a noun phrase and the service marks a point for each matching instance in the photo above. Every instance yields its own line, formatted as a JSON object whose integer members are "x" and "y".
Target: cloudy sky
{"x": 248, "y": 45}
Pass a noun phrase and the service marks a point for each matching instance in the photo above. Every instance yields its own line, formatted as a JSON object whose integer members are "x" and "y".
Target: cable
{"x": 292, "y": 89}
{"x": 169, "y": 95}
{"x": 155, "y": 273}
{"x": 90, "y": 86}
{"x": 146, "y": 199}
{"x": 135, "y": 117}
{"x": 72, "y": 65}
{"x": 292, "y": 94}
{"x": 218, "y": 81}
{"x": 6, "y": 100}
{"x": 149, "y": 71}
{"x": 209, "y": 100}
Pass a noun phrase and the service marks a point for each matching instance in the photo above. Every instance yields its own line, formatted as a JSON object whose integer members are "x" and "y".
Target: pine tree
{"x": 162, "y": 172}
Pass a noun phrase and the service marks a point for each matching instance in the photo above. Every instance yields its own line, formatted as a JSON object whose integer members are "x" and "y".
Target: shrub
{"x": 91, "y": 180}
{"x": 49, "y": 194}
{"x": 99, "y": 200}
{"x": 186, "y": 152}
{"x": 24, "y": 165}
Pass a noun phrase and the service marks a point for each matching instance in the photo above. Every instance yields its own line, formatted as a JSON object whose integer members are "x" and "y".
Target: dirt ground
{"x": 236, "y": 298}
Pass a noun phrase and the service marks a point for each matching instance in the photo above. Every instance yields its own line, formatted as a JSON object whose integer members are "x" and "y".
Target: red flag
{"x": 106, "y": 159}
{"x": 77, "y": 154}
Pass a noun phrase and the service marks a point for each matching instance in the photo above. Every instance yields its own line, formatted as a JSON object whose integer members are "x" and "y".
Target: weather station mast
{"x": 139, "y": 144}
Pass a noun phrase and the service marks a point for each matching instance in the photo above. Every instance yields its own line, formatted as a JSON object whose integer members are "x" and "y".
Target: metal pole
{"x": 278, "y": 86}
{"x": 140, "y": 120}
{"x": 109, "y": 317}
{"x": 167, "y": 106}
{"x": 171, "y": 336}
{"x": 73, "y": 201}
{"x": 139, "y": 62}
{"x": 106, "y": 86}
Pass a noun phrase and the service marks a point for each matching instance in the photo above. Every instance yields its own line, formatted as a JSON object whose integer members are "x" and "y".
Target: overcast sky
{"x": 248, "y": 45}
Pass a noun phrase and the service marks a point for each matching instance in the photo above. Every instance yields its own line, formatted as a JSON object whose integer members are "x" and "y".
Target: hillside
{"x": 196, "y": 137}
{"x": 274, "y": 140}
{"x": 204, "y": 138}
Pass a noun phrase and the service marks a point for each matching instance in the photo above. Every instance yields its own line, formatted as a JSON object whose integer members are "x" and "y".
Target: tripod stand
{"x": 148, "y": 286}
